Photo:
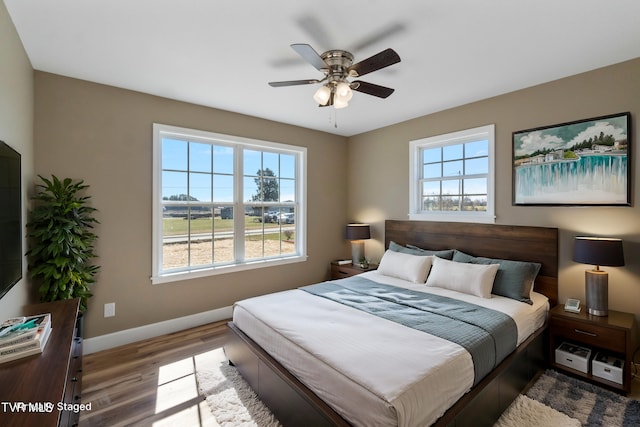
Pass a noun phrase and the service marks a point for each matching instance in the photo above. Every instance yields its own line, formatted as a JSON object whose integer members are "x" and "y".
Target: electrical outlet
{"x": 110, "y": 309}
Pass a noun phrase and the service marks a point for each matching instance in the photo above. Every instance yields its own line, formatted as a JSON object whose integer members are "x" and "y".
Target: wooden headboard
{"x": 514, "y": 242}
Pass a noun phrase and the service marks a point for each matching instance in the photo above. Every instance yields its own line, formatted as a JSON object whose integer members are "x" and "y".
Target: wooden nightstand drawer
{"x": 614, "y": 335}
{"x": 599, "y": 336}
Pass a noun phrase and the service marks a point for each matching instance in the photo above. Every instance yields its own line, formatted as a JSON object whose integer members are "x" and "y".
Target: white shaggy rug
{"x": 526, "y": 412}
{"x": 233, "y": 403}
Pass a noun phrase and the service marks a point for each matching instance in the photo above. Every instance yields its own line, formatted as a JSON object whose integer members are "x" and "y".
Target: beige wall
{"x": 16, "y": 129}
{"x": 379, "y": 164}
{"x": 104, "y": 135}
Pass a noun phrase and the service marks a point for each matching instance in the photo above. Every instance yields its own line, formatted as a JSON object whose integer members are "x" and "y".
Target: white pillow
{"x": 413, "y": 268}
{"x": 473, "y": 279}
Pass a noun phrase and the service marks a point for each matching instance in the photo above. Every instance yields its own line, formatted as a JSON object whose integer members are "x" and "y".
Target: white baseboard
{"x": 105, "y": 342}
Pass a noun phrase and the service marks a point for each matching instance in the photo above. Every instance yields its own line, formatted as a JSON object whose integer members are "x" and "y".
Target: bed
{"x": 338, "y": 364}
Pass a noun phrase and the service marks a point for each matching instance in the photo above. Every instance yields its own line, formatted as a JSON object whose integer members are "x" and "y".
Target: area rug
{"x": 555, "y": 400}
{"x": 593, "y": 406}
{"x": 233, "y": 403}
{"x": 526, "y": 412}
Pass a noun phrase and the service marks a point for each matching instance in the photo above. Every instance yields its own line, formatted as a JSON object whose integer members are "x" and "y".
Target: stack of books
{"x": 24, "y": 336}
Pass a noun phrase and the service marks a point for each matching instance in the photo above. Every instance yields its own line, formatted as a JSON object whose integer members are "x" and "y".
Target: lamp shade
{"x": 605, "y": 251}
{"x": 358, "y": 232}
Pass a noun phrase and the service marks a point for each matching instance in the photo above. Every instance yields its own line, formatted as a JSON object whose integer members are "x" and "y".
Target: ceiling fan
{"x": 338, "y": 68}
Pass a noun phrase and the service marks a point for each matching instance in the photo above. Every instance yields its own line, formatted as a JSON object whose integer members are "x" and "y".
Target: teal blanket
{"x": 488, "y": 335}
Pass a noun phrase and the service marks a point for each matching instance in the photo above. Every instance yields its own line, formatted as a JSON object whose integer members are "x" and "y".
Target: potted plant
{"x": 61, "y": 238}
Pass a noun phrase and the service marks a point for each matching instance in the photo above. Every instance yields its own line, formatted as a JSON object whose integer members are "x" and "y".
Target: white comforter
{"x": 370, "y": 370}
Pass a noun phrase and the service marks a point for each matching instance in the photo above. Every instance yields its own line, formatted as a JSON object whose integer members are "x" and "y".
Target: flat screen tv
{"x": 10, "y": 218}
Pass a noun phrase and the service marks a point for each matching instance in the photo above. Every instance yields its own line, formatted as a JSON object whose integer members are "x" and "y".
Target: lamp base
{"x": 597, "y": 292}
{"x": 357, "y": 251}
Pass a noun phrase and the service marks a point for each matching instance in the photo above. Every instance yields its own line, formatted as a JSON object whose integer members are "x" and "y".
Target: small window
{"x": 452, "y": 176}
{"x": 223, "y": 203}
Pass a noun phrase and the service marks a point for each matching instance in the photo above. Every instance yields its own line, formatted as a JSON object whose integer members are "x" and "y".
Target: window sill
{"x": 225, "y": 269}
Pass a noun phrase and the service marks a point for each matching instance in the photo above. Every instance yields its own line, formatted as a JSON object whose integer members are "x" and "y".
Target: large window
{"x": 452, "y": 176}
{"x": 223, "y": 203}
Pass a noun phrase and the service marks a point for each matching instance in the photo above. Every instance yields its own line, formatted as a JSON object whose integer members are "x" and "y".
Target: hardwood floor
{"x": 150, "y": 383}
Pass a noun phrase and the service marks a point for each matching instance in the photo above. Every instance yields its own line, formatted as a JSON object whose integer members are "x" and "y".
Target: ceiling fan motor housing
{"x": 338, "y": 62}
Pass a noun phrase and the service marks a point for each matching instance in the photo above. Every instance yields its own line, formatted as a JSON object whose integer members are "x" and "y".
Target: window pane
{"x": 452, "y": 152}
{"x": 200, "y": 187}
{"x": 251, "y": 191}
{"x": 222, "y": 159}
{"x": 452, "y": 168}
{"x": 199, "y": 157}
{"x": 475, "y": 203}
{"x": 270, "y": 188}
{"x": 452, "y": 186}
{"x": 430, "y": 188}
{"x": 253, "y": 243}
{"x": 287, "y": 190}
{"x": 223, "y": 249}
{"x": 432, "y": 155}
{"x": 174, "y": 154}
{"x": 174, "y": 185}
{"x": 223, "y": 188}
{"x": 475, "y": 186}
{"x": 477, "y": 148}
{"x": 433, "y": 170}
{"x": 431, "y": 203}
{"x": 451, "y": 203}
{"x": 252, "y": 162}
{"x": 287, "y": 234}
{"x": 174, "y": 238}
{"x": 271, "y": 161}
{"x": 174, "y": 255}
{"x": 201, "y": 235}
{"x": 476, "y": 166}
{"x": 287, "y": 166}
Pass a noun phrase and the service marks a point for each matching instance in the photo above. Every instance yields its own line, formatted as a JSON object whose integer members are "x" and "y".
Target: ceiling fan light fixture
{"x": 343, "y": 91}
{"x": 322, "y": 95}
{"x": 339, "y": 102}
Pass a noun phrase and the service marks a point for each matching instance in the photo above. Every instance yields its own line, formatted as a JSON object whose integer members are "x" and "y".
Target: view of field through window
{"x": 225, "y": 203}
{"x": 193, "y": 242}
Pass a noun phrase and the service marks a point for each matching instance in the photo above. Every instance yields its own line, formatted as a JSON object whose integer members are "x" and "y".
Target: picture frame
{"x": 581, "y": 163}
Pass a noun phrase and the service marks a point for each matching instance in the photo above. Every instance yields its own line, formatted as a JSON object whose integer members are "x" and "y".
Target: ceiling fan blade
{"x": 371, "y": 89}
{"x": 383, "y": 33}
{"x": 373, "y": 63}
{"x": 294, "y": 83}
{"x": 310, "y": 55}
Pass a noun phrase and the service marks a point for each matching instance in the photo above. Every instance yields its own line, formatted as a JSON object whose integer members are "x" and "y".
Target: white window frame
{"x": 415, "y": 170}
{"x": 239, "y": 143}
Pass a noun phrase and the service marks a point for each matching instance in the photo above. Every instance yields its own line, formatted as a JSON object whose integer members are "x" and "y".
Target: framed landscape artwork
{"x": 585, "y": 163}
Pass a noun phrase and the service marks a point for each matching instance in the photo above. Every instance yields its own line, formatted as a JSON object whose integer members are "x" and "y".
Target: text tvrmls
{"x": 45, "y": 407}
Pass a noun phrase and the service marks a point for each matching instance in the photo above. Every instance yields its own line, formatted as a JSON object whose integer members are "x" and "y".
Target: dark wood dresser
{"x": 41, "y": 390}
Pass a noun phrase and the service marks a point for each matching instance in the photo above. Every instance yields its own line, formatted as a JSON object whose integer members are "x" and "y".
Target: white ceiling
{"x": 222, "y": 53}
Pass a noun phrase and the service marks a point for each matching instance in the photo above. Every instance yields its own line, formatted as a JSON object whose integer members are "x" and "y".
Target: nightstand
{"x": 340, "y": 271}
{"x": 615, "y": 335}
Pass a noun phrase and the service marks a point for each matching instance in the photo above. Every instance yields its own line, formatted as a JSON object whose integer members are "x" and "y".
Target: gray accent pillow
{"x": 514, "y": 279}
{"x": 414, "y": 250}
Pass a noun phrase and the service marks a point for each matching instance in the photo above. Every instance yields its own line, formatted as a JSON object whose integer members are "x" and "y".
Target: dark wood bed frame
{"x": 294, "y": 404}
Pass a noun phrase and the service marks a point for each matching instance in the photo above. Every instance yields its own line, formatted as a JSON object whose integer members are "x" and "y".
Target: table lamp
{"x": 598, "y": 251}
{"x": 357, "y": 233}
